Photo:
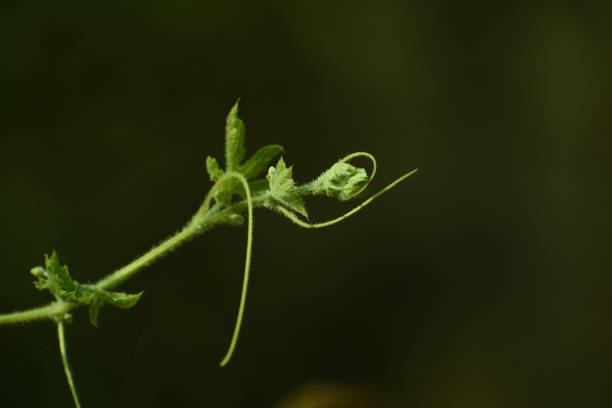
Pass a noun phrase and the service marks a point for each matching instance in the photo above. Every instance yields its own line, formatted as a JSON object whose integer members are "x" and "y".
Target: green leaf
{"x": 212, "y": 167}
{"x": 234, "y": 139}
{"x": 223, "y": 195}
{"x": 56, "y": 279}
{"x": 120, "y": 299}
{"x": 117, "y": 299}
{"x": 260, "y": 161}
{"x": 280, "y": 179}
{"x": 282, "y": 188}
{"x": 234, "y": 154}
{"x": 59, "y": 273}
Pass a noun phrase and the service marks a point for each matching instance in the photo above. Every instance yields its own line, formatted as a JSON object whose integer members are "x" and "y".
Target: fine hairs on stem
{"x": 240, "y": 187}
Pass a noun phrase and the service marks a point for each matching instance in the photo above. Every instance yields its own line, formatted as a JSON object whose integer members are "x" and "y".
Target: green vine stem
{"x": 57, "y": 310}
{"x": 54, "y": 309}
{"x": 236, "y": 190}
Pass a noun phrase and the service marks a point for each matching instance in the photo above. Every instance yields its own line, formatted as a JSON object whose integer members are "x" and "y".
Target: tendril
{"x": 62, "y": 345}
{"x": 247, "y": 264}
{"x": 304, "y": 224}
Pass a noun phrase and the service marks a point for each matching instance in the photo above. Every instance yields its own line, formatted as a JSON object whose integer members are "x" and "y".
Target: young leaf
{"x": 212, "y": 167}
{"x": 251, "y": 168}
{"x": 120, "y": 299}
{"x": 234, "y": 139}
{"x": 117, "y": 299}
{"x": 260, "y": 160}
{"x": 56, "y": 279}
{"x": 234, "y": 153}
{"x": 282, "y": 188}
{"x": 224, "y": 194}
{"x": 59, "y": 273}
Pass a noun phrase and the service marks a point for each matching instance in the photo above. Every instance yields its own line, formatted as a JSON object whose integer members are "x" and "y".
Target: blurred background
{"x": 481, "y": 281}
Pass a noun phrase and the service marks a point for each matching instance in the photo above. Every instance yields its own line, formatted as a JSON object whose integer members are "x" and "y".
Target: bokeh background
{"x": 482, "y": 281}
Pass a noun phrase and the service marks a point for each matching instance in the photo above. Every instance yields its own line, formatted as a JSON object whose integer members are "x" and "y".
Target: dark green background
{"x": 482, "y": 281}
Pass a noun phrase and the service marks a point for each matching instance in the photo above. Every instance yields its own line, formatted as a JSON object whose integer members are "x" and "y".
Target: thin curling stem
{"x": 247, "y": 267}
{"x": 301, "y": 223}
{"x": 362, "y": 154}
{"x": 62, "y": 345}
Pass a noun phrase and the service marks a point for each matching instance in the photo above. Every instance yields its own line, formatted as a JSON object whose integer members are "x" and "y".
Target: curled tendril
{"x": 347, "y": 158}
{"x": 311, "y": 188}
{"x": 342, "y": 180}
{"x": 247, "y": 264}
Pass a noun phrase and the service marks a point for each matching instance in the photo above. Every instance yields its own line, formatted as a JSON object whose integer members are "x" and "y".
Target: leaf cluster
{"x": 235, "y": 152}
{"x": 55, "y": 278}
{"x": 278, "y": 190}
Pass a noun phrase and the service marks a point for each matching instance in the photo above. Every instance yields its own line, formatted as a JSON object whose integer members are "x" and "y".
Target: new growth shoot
{"x": 241, "y": 186}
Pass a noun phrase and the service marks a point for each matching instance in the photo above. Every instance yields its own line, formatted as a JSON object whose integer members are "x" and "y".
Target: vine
{"x": 236, "y": 189}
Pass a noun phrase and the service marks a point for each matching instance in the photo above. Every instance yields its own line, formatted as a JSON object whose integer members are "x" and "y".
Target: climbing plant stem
{"x": 277, "y": 191}
{"x": 136, "y": 265}
{"x": 38, "y": 313}
{"x": 196, "y": 225}
{"x": 199, "y": 224}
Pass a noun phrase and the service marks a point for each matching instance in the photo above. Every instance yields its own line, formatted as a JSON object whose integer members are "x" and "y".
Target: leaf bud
{"x": 342, "y": 181}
